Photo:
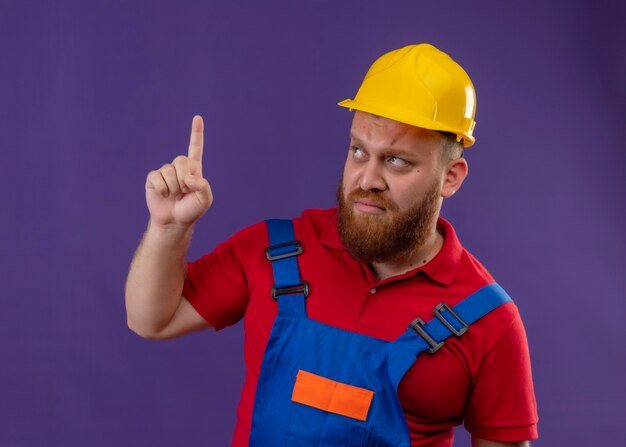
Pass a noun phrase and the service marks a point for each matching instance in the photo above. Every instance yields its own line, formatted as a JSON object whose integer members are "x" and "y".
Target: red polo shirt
{"x": 482, "y": 378}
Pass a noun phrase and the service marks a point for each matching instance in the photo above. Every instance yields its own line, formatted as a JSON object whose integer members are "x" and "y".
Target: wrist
{"x": 169, "y": 233}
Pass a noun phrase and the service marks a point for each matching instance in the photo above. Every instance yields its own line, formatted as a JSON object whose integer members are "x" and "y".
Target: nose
{"x": 372, "y": 177}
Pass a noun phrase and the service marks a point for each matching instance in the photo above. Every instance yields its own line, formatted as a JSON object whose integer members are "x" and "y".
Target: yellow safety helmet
{"x": 421, "y": 86}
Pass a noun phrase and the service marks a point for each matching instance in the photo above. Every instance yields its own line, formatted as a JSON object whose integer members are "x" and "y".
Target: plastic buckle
{"x": 439, "y": 314}
{"x": 416, "y": 325}
{"x": 298, "y": 289}
{"x": 289, "y": 254}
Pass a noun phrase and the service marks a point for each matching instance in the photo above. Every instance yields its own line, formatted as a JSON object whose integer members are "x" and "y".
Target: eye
{"x": 397, "y": 161}
{"x": 358, "y": 153}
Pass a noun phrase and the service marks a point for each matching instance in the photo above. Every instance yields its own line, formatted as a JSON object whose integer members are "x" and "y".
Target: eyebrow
{"x": 387, "y": 151}
{"x": 398, "y": 152}
{"x": 353, "y": 137}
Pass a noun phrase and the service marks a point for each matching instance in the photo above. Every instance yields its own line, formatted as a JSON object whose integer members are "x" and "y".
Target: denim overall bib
{"x": 327, "y": 387}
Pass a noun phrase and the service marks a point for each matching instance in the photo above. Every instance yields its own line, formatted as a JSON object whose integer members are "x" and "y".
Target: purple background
{"x": 93, "y": 95}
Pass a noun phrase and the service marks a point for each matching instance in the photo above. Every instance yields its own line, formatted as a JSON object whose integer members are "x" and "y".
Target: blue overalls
{"x": 324, "y": 386}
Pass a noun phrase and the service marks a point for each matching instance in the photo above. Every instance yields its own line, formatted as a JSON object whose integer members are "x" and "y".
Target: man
{"x": 329, "y": 360}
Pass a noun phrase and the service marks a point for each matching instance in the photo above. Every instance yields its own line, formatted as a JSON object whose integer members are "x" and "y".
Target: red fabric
{"x": 482, "y": 378}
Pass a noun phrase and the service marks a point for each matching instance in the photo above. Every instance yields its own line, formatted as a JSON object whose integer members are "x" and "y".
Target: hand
{"x": 177, "y": 195}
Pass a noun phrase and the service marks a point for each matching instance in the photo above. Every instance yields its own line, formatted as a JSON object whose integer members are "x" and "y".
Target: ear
{"x": 453, "y": 176}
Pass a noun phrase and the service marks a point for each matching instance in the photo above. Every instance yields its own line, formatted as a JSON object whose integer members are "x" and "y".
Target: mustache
{"x": 375, "y": 196}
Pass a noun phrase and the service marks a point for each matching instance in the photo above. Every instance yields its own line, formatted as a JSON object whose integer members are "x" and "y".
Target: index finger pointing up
{"x": 196, "y": 141}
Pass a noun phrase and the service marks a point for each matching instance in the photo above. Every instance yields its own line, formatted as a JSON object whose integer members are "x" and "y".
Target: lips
{"x": 368, "y": 202}
{"x": 368, "y": 206}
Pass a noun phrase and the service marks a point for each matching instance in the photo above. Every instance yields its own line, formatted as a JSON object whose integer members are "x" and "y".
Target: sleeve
{"x": 216, "y": 285}
{"x": 502, "y": 404}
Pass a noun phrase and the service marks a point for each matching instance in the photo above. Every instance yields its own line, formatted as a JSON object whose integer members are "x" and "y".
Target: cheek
{"x": 405, "y": 201}
{"x": 408, "y": 196}
{"x": 346, "y": 188}
{"x": 349, "y": 178}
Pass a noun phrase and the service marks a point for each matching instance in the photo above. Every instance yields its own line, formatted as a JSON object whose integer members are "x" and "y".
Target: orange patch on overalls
{"x": 329, "y": 395}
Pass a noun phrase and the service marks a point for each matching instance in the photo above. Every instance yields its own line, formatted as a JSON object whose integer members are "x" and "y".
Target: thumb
{"x": 201, "y": 189}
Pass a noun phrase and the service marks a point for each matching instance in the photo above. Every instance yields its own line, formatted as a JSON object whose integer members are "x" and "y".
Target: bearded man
{"x": 336, "y": 304}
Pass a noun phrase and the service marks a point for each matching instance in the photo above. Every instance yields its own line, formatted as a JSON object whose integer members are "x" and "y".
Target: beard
{"x": 388, "y": 237}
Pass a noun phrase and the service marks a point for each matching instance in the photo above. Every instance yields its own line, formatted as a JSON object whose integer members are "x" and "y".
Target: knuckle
{"x": 154, "y": 178}
{"x": 181, "y": 165}
{"x": 168, "y": 169}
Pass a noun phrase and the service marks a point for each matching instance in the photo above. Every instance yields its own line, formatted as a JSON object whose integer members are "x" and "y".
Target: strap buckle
{"x": 275, "y": 257}
{"x": 438, "y": 311}
{"x": 298, "y": 289}
{"x": 416, "y": 325}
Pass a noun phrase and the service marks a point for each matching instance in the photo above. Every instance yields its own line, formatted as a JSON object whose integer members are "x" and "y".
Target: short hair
{"x": 451, "y": 148}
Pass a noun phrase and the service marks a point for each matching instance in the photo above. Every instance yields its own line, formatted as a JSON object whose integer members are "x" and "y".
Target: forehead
{"x": 377, "y": 130}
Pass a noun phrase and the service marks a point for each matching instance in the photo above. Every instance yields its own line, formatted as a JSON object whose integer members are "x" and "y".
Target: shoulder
{"x": 471, "y": 276}
{"x": 316, "y": 224}
{"x": 311, "y": 224}
{"x": 468, "y": 267}
{"x": 457, "y": 272}
{"x": 316, "y": 220}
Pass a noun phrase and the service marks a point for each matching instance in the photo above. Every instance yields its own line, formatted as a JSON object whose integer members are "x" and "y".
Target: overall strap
{"x": 288, "y": 289}
{"x": 430, "y": 336}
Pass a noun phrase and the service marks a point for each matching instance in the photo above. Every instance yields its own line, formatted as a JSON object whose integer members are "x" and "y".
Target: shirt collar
{"x": 442, "y": 268}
